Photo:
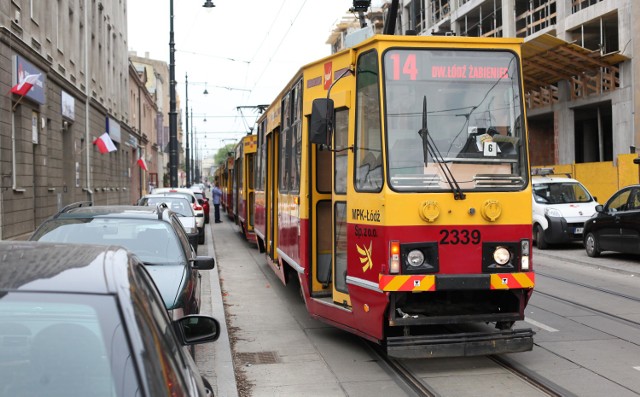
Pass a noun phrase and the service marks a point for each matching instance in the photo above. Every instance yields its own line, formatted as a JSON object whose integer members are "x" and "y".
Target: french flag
{"x": 25, "y": 85}
{"x": 105, "y": 144}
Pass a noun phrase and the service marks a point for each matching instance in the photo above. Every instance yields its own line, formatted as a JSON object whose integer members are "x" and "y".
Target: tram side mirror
{"x": 321, "y": 121}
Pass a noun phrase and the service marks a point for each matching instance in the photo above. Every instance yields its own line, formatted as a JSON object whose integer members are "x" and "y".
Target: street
{"x": 587, "y": 341}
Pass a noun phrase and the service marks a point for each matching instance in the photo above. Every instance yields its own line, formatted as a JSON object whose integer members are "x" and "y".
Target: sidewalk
{"x": 215, "y": 359}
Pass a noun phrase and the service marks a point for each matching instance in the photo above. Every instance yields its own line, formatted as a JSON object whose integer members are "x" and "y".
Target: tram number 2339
{"x": 456, "y": 236}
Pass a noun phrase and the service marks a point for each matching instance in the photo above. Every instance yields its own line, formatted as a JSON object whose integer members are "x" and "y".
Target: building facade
{"x": 144, "y": 116}
{"x": 78, "y": 52}
{"x": 157, "y": 84}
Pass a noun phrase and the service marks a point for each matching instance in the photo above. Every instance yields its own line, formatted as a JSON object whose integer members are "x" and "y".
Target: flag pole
{"x": 17, "y": 102}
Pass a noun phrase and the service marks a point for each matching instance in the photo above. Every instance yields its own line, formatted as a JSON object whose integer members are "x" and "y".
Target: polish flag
{"x": 105, "y": 144}
{"x": 142, "y": 164}
{"x": 25, "y": 85}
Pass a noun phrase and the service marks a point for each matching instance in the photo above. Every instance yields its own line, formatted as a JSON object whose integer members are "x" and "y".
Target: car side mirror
{"x": 599, "y": 208}
{"x": 204, "y": 263}
{"x": 196, "y": 329}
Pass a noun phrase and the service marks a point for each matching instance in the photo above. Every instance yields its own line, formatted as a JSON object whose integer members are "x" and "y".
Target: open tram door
{"x": 271, "y": 196}
{"x": 329, "y": 198}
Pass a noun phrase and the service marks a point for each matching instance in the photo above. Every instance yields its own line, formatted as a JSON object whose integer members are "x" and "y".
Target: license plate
{"x": 578, "y": 230}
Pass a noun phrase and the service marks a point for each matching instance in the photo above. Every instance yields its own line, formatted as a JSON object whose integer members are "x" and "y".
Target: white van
{"x": 561, "y": 205}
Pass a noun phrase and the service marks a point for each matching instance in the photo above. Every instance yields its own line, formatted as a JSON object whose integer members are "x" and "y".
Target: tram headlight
{"x": 501, "y": 256}
{"x": 415, "y": 258}
{"x": 524, "y": 258}
{"x": 419, "y": 258}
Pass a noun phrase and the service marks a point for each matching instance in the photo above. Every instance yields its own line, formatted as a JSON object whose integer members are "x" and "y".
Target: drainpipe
{"x": 87, "y": 134}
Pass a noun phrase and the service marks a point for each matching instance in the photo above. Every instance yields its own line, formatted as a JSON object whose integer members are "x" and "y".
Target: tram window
{"x": 340, "y": 144}
{"x": 323, "y": 163}
{"x": 340, "y": 222}
{"x": 368, "y": 140}
{"x": 291, "y": 141}
{"x": 296, "y": 140}
{"x": 285, "y": 146}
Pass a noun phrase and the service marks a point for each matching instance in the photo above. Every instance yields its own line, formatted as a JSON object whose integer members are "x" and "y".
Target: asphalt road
{"x": 587, "y": 340}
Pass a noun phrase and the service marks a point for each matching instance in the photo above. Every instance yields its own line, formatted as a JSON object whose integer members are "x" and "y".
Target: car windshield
{"x": 63, "y": 344}
{"x": 560, "y": 193}
{"x": 178, "y": 205}
{"x": 454, "y": 115}
{"x": 153, "y": 241}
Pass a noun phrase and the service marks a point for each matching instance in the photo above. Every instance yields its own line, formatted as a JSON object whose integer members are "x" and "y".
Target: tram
{"x": 392, "y": 180}
{"x": 243, "y": 196}
{"x": 224, "y": 177}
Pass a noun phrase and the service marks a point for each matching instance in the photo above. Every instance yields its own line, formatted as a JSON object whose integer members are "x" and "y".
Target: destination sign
{"x": 448, "y": 65}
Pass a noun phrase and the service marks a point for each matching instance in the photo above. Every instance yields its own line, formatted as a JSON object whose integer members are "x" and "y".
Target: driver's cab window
{"x": 368, "y": 140}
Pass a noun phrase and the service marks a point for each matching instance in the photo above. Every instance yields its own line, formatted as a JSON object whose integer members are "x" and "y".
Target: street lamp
{"x": 173, "y": 114}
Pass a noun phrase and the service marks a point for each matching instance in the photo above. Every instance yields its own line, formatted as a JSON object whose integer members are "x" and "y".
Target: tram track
{"x": 539, "y": 382}
{"x": 415, "y": 386}
{"x": 587, "y": 307}
{"x": 591, "y": 287}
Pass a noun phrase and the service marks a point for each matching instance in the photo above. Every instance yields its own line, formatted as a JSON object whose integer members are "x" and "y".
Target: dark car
{"x": 87, "y": 320}
{"x": 616, "y": 225}
{"x": 154, "y": 234}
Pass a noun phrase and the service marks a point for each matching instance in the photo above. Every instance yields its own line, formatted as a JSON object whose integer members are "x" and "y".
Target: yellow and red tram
{"x": 243, "y": 186}
{"x": 226, "y": 185}
{"x": 392, "y": 180}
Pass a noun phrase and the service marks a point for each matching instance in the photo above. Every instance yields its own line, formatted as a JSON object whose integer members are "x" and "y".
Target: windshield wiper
{"x": 429, "y": 148}
{"x": 424, "y": 132}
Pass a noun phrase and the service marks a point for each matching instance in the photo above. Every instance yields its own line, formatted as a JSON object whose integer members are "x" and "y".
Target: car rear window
{"x": 153, "y": 241}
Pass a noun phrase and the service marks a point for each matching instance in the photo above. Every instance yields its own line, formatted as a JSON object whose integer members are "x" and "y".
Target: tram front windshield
{"x": 454, "y": 119}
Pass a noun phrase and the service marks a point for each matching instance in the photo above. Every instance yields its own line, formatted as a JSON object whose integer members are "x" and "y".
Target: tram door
{"x": 271, "y": 188}
{"x": 329, "y": 176}
{"x": 339, "y": 201}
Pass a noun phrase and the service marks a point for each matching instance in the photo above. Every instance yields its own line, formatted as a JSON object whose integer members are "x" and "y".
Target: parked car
{"x": 616, "y": 225}
{"x": 154, "y": 234}
{"x": 183, "y": 209}
{"x": 87, "y": 320}
{"x": 195, "y": 203}
{"x": 204, "y": 201}
{"x": 560, "y": 206}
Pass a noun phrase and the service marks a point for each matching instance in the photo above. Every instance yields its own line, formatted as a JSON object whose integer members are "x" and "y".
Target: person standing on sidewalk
{"x": 216, "y": 195}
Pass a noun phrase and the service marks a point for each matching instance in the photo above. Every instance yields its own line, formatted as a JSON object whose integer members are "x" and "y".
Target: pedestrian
{"x": 216, "y": 195}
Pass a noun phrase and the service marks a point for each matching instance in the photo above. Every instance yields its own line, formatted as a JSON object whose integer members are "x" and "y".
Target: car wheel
{"x": 591, "y": 245}
{"x": 539, "y": 234}
{"x": 207, "y": 387}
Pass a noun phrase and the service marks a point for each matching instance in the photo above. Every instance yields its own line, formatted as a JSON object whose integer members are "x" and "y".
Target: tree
{"x": 223, "y": 153}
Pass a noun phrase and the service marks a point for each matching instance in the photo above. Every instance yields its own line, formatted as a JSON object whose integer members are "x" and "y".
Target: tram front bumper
{"x": 464, "y": 344}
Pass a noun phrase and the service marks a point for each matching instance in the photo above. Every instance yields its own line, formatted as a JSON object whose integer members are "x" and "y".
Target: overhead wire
{"x": 278, "y": 46}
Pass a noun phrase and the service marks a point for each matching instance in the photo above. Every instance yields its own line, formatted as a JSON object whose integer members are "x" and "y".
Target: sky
{"x": 242, "y": 51}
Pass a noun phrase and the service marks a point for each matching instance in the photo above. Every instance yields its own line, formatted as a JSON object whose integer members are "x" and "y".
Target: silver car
{"x": 197, "y": 207}
{"x": 183, "y": 209}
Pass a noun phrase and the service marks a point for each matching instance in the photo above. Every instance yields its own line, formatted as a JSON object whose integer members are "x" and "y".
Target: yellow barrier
{"x": 602, "y": 179}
